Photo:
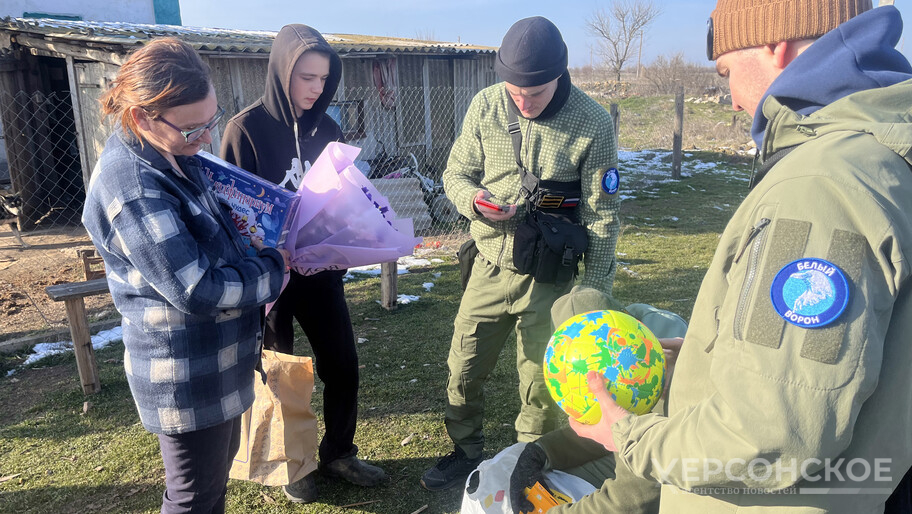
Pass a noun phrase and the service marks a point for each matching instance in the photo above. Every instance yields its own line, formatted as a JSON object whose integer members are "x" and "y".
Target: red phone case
{"x": 491, "y": 205}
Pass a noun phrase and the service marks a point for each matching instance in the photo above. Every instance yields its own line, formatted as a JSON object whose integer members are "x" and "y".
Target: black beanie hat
{"x": 532, "y": 53}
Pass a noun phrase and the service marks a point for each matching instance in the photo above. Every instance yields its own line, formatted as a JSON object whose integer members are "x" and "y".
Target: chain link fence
{"x": 406, "y": 135}
{"x": 42, "y": 154}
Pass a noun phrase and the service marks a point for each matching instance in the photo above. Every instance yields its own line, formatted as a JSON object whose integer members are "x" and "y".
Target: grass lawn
{"x": 648, "y": 122}
{"x": 56, "y": 458}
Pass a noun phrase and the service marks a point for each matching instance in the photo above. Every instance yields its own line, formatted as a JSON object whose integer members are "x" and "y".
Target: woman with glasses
{"x": 177, "y": 270}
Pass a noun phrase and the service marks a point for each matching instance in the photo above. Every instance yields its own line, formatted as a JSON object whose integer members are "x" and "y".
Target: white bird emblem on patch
{"x": 819, "y": 288}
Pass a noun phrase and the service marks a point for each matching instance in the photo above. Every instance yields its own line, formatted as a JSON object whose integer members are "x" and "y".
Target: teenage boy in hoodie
{"x": 792, "y": 392}
{"x": 278, "y": 138}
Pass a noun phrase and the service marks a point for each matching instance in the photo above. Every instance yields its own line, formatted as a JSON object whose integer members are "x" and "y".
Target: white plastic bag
{"x": 493, "y": 493}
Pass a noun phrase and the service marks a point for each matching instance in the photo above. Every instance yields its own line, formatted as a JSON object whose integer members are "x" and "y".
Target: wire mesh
{"x": 406, "y": 135}
{"x": 43, "y": 158}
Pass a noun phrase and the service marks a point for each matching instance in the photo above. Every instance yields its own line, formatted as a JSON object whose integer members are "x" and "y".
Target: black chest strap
{"x": 757, "y": 174}
{"x": 529, "y": 182}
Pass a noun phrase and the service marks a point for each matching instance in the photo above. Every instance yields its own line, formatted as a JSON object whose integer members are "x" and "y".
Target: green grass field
{"x": 102, "y": 460}
{"x": 54, "y": 457}
{"x": 648, "y": 122}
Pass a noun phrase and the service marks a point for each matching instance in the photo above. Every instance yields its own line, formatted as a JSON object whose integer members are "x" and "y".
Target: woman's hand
{"x": 257, "y": 244}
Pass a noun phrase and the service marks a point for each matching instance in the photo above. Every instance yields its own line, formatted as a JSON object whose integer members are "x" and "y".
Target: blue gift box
{"x": 258, "y": 207}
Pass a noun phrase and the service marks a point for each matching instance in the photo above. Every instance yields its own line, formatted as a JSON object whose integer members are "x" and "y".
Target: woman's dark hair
{"x": 164, "y": 73}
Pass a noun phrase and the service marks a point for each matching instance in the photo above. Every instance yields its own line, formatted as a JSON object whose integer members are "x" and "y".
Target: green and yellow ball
{"x": 620, "y": 348}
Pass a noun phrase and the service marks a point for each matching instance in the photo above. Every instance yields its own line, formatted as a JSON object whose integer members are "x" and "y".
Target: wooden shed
{"x": 398, "y": 96}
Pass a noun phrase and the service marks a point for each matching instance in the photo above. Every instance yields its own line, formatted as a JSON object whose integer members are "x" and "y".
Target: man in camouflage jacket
{"x": 792, "y": 392}
{"x": 566, "y": 137}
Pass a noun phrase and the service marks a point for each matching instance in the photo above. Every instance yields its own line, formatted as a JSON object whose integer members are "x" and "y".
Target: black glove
{"x": 529, "y": 469}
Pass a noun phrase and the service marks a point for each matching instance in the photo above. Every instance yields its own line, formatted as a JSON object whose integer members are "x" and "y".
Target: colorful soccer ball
{"x": 616, "y": 345}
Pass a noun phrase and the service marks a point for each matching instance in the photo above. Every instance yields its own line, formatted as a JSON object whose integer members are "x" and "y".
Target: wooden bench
{"x": 92, "y": 264}
{"x": 73, "y": 295}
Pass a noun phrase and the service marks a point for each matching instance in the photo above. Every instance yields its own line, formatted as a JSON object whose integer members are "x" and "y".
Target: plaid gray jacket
{"x": 190, "y": 298}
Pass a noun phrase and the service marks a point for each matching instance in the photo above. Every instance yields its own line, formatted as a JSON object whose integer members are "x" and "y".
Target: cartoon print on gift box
{"x": 248, "y": 225}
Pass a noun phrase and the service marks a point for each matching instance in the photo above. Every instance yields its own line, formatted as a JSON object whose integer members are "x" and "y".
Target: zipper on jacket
{"x": 756, "y": 238}
{"x": 750, "y": 236}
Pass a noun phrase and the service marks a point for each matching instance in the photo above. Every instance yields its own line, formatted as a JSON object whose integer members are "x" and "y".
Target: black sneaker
{"x": 451, "y": 470}
{"x": 355, "y": 471}
{"x": 302, "y": 491}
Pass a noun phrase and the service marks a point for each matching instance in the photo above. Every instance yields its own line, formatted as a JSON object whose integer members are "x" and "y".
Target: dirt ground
{"x": 51, "y": 259}
{"x": 25, "y": 272}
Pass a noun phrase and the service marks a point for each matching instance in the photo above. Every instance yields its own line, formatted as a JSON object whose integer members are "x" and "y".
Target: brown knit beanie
{"x": 738, "y": 24}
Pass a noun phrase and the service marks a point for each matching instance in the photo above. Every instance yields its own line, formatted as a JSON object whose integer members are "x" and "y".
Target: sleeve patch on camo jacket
{"x": 611, "y": 181}
{"x": 810, "y": 292}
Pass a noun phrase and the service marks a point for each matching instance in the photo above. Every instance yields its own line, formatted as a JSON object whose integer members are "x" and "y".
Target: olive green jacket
{"x": 751, "y": 388}
{"x": 577, "y": 143}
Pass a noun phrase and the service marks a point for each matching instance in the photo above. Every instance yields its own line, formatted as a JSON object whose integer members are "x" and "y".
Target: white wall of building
{"x": 129, "y": 11}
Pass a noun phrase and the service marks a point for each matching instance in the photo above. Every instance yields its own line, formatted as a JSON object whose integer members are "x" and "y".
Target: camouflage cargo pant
{"x": 497, "y": 301}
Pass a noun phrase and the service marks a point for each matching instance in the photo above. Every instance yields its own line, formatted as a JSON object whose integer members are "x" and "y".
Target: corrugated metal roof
{"x": 218, "y": 40}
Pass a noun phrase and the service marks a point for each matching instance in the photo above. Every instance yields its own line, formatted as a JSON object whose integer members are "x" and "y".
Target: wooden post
{"x": 615, "y": 118}
{"x": 82, "y": 345}
{"x": 77, "y": 116}
{"x": 389, "y": 285}
{"x": 678, "y": 134}
{"x": 72, "y": 295}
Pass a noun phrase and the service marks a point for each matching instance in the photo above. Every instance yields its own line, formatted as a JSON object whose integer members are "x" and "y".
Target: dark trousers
{"x": 900, "y": 502}
{"x": 196, "y": 468}
{"x": 317, "y": 302}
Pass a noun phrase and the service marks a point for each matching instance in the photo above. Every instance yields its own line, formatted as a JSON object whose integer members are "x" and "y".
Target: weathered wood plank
{"x": 82, "y": 345}
{"x": 389, "y": 286}
{"x": 73, "y": 295}
{"x": 64, "y": 292}
{"x": 80, "y": 129}
{"x": 79, "y": 52}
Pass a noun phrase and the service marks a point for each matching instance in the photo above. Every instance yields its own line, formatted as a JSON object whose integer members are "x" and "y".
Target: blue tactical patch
{"x": 611, "y": 181}
{"x": 810, "y": 292}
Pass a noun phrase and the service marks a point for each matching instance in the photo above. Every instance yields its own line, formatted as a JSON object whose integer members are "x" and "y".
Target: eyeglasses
{"x": 709, "y": 39}
{"x": 192, "y": 135}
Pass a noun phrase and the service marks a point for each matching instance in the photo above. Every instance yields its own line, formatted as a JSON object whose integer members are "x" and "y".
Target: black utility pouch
{"x": 549, "y": 243}
{"x": 466, "y": 257}
{"x": 526, "y": 241}
{"x": 549, "y": 246}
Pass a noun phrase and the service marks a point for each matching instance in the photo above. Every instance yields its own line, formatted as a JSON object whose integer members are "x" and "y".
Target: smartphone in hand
{"x": 492, "y": 205}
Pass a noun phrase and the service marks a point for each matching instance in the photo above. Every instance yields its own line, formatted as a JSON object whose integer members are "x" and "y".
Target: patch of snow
{"x": 99, "y": 341}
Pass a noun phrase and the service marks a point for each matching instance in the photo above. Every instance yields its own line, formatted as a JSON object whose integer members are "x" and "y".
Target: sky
{"x": 680, "y": 28}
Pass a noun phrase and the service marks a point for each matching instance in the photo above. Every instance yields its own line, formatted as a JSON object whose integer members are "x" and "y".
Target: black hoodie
{"x": 261, "y": 138}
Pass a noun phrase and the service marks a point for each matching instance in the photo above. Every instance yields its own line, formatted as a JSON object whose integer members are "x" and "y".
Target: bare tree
{"x": 667, "y": 72}
{"x": 619, "y": 28}
{"x": 425, "y": 35}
